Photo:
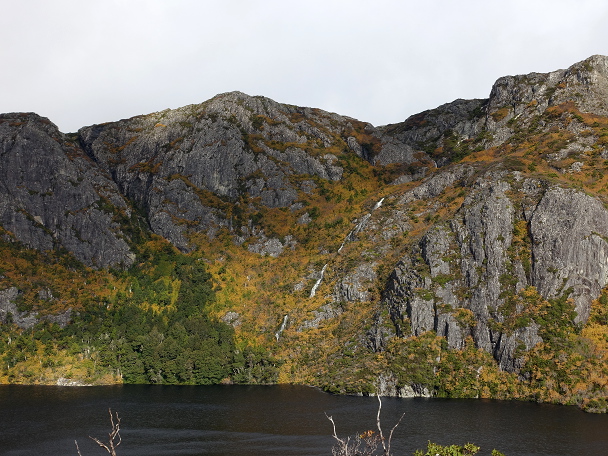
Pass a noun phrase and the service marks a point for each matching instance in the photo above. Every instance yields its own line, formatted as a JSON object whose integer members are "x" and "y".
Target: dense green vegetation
{"x": 156, "y": 330}
{"x": 468, "y": 449}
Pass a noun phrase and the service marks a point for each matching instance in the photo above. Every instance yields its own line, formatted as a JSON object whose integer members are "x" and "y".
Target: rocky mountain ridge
{"x": 460, "y": 220}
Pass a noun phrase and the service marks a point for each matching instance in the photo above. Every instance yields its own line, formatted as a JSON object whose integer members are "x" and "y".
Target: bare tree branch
{"x": 378, "y": 424}
{"x": 113, "y": 435}
{"x": 77, "y": 449}
{"x": 386, "y": 445}
{"x": 335, "y": 436}
{"x": 390, "y": 436}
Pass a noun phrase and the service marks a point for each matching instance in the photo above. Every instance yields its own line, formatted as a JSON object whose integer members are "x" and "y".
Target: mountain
{"x": 461, "y": 253}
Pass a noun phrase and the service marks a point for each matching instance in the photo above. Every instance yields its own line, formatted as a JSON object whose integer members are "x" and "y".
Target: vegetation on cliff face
{"x": 462, "y": 253}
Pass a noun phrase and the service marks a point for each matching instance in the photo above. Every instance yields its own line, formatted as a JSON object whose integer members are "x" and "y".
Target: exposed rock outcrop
{"x": 515, "y": 102}
{"x": 569, "y": 233}
{"x": 460, "y": 274}
{"x": 54, "y": 195}
{"x": 183, "y": 166}
{"x": 10, "y": 313}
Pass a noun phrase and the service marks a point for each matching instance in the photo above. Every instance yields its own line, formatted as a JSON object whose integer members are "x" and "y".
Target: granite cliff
{"x": 330, "y": 239}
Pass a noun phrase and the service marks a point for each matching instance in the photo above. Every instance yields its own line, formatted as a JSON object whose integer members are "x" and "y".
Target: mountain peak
{"x": 584, "y": 83}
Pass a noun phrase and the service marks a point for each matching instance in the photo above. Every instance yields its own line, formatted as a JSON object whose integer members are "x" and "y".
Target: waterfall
{"x": 282, "y": 328}
{"x": 346, "y": 239}
{"x": 318, "y": 282}
{"x": 359, "y": 227}
{"x": 378, "y": 204}
{"x": 349, "y": 237}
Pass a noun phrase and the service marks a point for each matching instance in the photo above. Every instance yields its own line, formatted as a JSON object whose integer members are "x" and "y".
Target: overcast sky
{"x": 80, "y": 62}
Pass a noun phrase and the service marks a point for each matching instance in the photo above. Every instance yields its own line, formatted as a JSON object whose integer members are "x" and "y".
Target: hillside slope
{"x": 460, "y": 253}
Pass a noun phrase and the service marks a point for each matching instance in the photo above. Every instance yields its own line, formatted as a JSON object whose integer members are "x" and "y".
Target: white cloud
{"x": 82, "y": 62}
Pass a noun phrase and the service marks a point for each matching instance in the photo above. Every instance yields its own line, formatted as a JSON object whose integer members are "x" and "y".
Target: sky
{"x": 81, "y": 62}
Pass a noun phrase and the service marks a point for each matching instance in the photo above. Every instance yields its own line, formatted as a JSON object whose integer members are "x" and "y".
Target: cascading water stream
{"x": 318, "y": 282}
{"x": 378, "y": 204}
{"x": 349, "y": 237}
{"x": 282, "y": 328}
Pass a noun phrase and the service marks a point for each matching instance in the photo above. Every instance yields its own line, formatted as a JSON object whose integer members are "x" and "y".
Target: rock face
{"x": 354, "y": 286}
{"x": 183, "y": 166}
{"x": 186, "y": 168}
{"x": 459, "y": 277}
{"x": 10, "y": 313}
{"x": 585, "y": 83}
{"x": 430, "y": 130}
{"x": 515, "y": 103}
{"x": 569, "y": 245}
{"x": 53, "y": 195}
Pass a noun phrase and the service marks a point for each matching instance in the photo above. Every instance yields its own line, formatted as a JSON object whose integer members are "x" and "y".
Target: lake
{"x": 277, "y": 420}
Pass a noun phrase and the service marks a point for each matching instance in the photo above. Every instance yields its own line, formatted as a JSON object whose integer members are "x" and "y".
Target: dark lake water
{"x": 276, "y": 421}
